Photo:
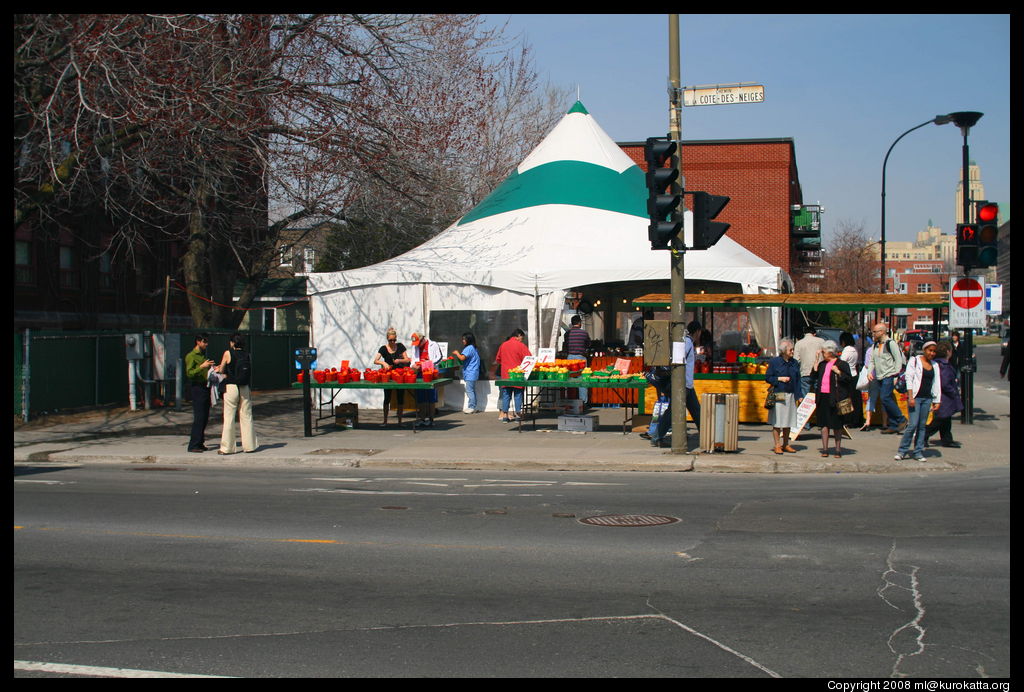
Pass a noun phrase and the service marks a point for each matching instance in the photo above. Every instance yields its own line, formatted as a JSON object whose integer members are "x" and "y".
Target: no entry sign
{"x": 967, "y": 293}
{"x": 966, "y": 303}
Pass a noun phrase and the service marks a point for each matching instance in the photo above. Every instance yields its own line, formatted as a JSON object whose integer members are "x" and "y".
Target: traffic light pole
{"x": 677, "y": 327}
{"x": 967, "y": 364}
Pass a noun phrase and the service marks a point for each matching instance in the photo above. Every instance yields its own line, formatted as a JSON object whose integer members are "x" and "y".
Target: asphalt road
{"x": 324, "y": 573}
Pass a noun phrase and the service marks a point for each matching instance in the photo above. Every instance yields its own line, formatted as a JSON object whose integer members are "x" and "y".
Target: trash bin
{"x": 719, "y": 422}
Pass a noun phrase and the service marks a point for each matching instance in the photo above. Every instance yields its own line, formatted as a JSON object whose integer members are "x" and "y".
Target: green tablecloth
{"x": 575, "y": 382}
{"x": 363, "y": 384}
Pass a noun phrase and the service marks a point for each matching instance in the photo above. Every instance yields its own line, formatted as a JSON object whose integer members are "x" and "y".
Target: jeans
{"x": 916, "y": 428}
{"x": 582, "y": 390}
{"x": 892, "y": 409}
{"x": 507, "y": 393}
{"x": 805, "y": 385}
{"x": 470, "y": 394}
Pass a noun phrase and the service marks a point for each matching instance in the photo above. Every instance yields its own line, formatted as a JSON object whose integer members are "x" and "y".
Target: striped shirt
{"x": 576, "y": 342}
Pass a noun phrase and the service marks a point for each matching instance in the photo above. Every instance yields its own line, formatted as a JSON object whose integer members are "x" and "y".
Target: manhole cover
{"x": 629, "y": 520}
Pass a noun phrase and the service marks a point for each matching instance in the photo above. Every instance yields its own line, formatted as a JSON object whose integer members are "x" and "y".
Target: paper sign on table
{"x": 527, "y": 365}
{"x": 545, "y": 355}
{"x": 622, "y": 365}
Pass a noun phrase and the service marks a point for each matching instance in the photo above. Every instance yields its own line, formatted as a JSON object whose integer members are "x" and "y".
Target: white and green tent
{"x": 572, "y": 214}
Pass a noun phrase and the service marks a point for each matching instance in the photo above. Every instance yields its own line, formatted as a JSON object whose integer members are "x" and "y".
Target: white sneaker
{"x": 469, "y": 410}
{"x": 901, "y": 457}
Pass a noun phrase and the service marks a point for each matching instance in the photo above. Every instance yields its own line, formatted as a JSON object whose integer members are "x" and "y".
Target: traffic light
{"x": 705, "y": 208}
{"x": 661, "y": 205}
{"x": 967, "y": 245}
{"x": 987, "y": 216}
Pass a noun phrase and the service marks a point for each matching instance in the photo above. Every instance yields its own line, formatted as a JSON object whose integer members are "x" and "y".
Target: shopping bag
{"x": 862, "y": 380}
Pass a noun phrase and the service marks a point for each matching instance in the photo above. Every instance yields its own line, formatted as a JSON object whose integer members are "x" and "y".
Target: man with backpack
{"x": 887, "y": 363}
{"x": 237, "y": 365}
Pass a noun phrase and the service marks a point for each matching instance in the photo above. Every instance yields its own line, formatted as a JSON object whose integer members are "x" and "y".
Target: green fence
{"x": 69, "y": 370}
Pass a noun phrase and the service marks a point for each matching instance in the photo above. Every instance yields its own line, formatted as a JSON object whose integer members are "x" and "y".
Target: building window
{"x": 106, "y": 279}
{"x": 308, "y": 259}
{"x": 286, "y": 257}
{"x": 924, "y": 288}
{"x": 23, "y": 274}
{"x": 69, "y": 277}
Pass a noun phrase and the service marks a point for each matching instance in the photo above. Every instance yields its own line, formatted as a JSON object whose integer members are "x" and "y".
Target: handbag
{"x": 770, "y": 398}
{"x": 844, "y": 406}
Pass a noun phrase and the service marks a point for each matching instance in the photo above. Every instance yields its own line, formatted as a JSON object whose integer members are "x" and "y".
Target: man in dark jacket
{"x": 942, "y": 420}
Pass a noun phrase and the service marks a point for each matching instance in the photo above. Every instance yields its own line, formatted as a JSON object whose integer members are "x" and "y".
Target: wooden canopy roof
{"x": 805, "y": 301}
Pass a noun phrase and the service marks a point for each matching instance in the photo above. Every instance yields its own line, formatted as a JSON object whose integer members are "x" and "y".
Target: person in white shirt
{"x": 807, "y": 352}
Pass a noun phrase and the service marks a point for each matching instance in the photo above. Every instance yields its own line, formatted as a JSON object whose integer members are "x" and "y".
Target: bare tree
{"x": 187, "y": 126}
{"x": 848, "y": 261}
{"x": 849, "y": 265}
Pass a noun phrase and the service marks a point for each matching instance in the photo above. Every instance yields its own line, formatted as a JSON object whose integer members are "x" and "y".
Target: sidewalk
{"x": 159, "y": 436}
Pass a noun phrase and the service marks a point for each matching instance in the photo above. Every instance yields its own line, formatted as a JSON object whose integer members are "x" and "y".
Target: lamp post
{"x": 965, "y": 120}
{"x": 938, "y": 120}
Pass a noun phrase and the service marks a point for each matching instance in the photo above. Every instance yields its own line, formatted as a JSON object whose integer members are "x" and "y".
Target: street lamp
{"x": 938, "y": 120}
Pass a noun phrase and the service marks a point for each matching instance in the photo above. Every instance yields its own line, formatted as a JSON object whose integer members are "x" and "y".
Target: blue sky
{"x": 844, "y": 87}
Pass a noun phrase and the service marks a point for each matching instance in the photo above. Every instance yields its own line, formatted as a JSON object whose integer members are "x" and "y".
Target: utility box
{"x": 133, "y": 346}
{"x": 166, "y": 352}
{"x": 657, "y": 348}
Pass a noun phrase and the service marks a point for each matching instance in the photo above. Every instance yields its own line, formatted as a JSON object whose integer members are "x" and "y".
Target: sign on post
{"x": 967, "y": 303}
{"x": 723, "y": 95}
{"x": 994, "y": 299}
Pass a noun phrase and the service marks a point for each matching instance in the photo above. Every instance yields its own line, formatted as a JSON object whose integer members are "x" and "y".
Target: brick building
{"x": 761, "y": 178}
{"x": 66, "y": 277}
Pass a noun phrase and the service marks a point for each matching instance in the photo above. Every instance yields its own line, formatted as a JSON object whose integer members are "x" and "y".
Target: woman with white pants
{"x": 237, "y": 365}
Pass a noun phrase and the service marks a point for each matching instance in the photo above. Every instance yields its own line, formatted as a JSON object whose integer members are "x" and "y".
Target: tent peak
{"x": 578, "y": 108}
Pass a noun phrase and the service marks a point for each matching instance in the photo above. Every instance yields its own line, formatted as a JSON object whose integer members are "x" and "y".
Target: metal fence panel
{"x": 82, "y": 369}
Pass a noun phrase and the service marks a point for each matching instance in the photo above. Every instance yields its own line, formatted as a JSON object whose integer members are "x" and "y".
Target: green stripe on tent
{"x": 567, "y": 182}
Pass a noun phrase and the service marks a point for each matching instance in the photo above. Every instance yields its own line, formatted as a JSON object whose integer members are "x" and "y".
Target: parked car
{"x": 829, "y": 333}
{"x": 913, "y": 341}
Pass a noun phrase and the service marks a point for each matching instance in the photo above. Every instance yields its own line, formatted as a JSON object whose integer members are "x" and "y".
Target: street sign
{"x": 722, "y": 95}
{"x": 966, "y": 303}
{"x": 994, "y": 299}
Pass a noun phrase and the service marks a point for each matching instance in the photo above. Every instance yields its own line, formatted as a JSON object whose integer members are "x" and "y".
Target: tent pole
{"x": 536, "y": 315}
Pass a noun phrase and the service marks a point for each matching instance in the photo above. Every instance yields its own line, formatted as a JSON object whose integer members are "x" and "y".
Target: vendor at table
{"x": 575, "y": 345}
{"x": 392, "y": 355}
{"x": 425, "y": 356}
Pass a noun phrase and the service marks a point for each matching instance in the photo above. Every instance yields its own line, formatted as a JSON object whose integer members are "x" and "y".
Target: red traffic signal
{"x": 987, "y": 212}
{"x": 966, "y": 234}
{"x": 967, "y": 245}
{"x": 987, "y": 215}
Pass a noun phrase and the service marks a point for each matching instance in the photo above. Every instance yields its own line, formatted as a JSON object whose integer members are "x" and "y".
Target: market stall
{"x": 624, "y": 390}
{"x": 739, "y": 368}
{"x": 572, "y": 214}
{"x": 327, "y": 391}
